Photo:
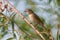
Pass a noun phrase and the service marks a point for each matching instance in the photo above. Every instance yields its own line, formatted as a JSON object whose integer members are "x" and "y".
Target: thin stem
{"x": 50, "y": 35}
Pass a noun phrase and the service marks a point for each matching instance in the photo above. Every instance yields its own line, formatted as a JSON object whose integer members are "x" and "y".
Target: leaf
{"x": 27, "y": 38}
{"x": 1, "y": 35}
{"x": 49, "y": 26}
{"x": 9, "y": 38}
{"x": 12, "y": 23}
{"x": 58, "y": 2}
{"x": 59, "y": 36}
{"x": 46, "y": 36}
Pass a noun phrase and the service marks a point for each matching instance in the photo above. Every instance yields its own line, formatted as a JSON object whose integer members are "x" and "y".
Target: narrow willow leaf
{"x": 12, "y": 23}
{"x": 10, "y": 39}
{"x": 58, "y": 2}
{"x": 46, "y": 36}
{"x": 59, "y": 36}
{"x": 27, "y": 38}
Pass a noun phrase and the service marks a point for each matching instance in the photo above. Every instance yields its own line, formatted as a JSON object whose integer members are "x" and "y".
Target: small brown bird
{"x": 34, "y": 18}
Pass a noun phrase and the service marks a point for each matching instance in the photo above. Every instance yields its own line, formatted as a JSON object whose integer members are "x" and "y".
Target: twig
{"x": 20, "y": 14}
{"x": 58, "y": 31}
{"x": 50, "y": 35}
{"x": 45, "y": 33}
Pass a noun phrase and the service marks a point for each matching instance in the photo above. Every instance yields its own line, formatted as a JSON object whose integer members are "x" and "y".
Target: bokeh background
{"x": 18, "y": 29}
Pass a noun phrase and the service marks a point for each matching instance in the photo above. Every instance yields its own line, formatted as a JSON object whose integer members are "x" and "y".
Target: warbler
{"x": 33, "y": 17}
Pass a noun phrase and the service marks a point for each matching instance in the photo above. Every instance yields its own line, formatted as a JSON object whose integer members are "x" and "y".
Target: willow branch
{"x": 50, "y": 35}
{"x": 20, "y": 14}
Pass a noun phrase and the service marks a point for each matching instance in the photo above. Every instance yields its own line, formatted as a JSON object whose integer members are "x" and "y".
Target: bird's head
{"x": 28, "y": 11}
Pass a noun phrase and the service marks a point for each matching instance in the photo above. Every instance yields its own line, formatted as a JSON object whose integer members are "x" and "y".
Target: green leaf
{"x": 58, "y": 2}
{"x": 27, "y": 38}
{"x": 10, "y": 39}
{"x": 46, "y": 36}
{"x": 12, "y": 23}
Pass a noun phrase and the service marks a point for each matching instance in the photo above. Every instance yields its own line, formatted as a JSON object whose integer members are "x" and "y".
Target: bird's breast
{"x": 32, "y": 18}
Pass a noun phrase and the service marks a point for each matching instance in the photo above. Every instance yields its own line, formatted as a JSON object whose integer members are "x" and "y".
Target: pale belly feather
{"x": 32, "y": 18}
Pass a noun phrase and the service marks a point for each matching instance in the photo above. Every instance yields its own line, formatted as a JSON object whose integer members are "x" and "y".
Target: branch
{"x": 50, "y": 35}
{"x": 20, "y": 14}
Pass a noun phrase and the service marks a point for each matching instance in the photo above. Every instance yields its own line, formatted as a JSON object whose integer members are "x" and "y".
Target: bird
{"x": 33, "y": 17}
